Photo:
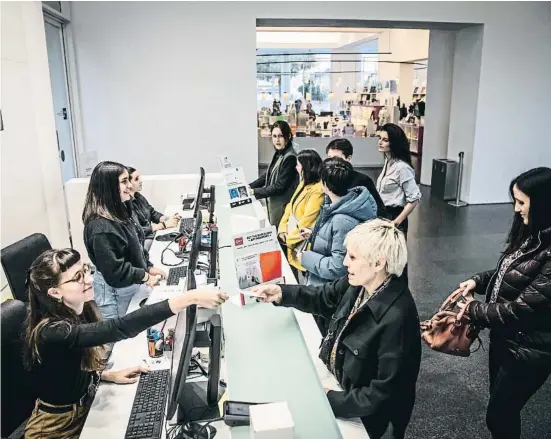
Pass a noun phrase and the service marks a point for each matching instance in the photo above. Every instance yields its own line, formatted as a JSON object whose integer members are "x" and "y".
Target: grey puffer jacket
{"x": 324, "y": 260}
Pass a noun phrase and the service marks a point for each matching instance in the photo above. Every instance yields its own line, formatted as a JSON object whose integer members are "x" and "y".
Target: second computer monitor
{"x": 196, "y": 242}
{"x": 199, "y": 194}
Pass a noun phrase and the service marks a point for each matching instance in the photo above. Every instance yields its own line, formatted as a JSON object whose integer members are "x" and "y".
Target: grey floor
{"x": 446, "y": 246}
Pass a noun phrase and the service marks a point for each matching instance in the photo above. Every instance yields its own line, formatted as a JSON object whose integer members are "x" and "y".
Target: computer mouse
{"x": 168, "y": 236}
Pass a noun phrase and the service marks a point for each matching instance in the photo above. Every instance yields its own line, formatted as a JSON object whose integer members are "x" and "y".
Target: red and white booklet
{"x": 258, "y": 260}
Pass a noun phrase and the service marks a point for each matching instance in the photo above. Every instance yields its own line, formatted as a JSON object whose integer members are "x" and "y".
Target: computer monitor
{"x": 194, "y": 401}
{"x": 184, "y": 336}
{"x": 213, "y": 253}
{"x": 196, "y": 241}
{"x": 212, "y": 202}
{"x": 199, "y": 195}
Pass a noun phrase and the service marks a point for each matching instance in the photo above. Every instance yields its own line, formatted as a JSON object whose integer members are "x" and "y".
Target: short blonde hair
{"x": 379, "y": 238}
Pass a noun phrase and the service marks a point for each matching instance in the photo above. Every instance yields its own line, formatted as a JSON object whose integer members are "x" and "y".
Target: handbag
{"x": 450, "y": 331}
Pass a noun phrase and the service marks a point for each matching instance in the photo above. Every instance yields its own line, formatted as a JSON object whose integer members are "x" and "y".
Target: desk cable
{"x": 183, "y": 259}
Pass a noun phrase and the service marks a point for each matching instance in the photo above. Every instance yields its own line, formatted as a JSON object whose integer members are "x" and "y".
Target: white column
{"x": 439, "y": 96}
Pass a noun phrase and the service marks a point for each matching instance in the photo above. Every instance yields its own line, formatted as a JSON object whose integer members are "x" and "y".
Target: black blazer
{"x": 521, "y": 317}
{"x": 379, "y": 352}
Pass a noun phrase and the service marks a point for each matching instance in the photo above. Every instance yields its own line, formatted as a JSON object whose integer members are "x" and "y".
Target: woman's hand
{"x": 125, "y": 376}
{"x": 468, "y": 287}
{"x": 157, "y": 272}
{"x": 283, "y": 237}
{"x": 304, "y": 233}
{"x": 172, "y": 222}
{"x": 268, "y": 293}
{"x": 152, "y": 280}
{"x": 208, "y": 298}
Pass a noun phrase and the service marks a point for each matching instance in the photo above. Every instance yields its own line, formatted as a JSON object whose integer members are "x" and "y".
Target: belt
{"x": 84, "y": 400}
{"x": 57, "y": 409}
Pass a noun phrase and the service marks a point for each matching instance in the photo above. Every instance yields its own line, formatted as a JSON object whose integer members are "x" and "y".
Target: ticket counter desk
{"x": 270, "y": 353}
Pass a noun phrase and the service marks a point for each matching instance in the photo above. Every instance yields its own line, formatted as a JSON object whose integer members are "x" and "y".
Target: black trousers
{"x": 393, "y": 212}
{"x": 512, "y": 384}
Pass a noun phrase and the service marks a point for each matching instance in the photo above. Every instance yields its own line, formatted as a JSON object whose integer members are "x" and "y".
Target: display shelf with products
{"x": 414, "y": 133}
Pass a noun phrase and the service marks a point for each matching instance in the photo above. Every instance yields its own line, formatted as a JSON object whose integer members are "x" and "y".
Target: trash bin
{"x": 444, "y": 179}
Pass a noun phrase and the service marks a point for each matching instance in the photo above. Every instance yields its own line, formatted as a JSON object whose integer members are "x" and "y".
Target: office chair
{"x": 18, "y": 398}
{"x": 17, "y": 259}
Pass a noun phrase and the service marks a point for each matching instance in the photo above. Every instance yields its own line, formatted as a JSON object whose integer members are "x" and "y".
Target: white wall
{"x": 166, "y": 87}
{"x": 151, "y": 72}
{"x": 439, "y": 97}
{"x": 463, "y": 112}
{"x": 32, "y": 189}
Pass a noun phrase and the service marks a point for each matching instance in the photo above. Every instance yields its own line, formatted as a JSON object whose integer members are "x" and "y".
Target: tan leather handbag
{"x": 449, "y": 330}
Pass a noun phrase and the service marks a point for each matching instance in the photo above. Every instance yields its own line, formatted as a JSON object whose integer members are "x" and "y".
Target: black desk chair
{"x": 17, "y": 259}
{"x": 18, "y": 398}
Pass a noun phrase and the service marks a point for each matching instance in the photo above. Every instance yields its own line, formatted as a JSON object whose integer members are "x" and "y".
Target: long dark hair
{"x": 310, "y": 161}
{"x": 103, "y": 197}
{"x": 535, "y": 184}
{"x": 285, "y": 131}
{"x": 44, "y": 310}
{"x": 398, "y": 141}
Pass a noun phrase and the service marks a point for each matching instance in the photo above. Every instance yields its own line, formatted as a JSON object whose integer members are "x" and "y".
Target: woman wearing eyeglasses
{"x": 278, "y": 184}
{"x": 65, "y": 335}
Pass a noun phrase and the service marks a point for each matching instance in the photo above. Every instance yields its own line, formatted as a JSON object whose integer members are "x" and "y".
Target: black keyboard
{"x": 175, "y": 273}
{"x": 147, "y": 416}
{"x": 186, "y": 224}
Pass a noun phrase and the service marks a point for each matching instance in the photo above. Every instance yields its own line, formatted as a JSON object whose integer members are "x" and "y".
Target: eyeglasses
{"x": 80, "y": 275}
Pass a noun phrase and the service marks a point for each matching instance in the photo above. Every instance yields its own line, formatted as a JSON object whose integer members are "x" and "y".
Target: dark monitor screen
{"x": 199, "y": 195}
{"x": 196, "y": 241}
{"x": 184, "y": 336}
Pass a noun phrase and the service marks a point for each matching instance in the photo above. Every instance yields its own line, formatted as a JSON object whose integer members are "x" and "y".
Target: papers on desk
{"x": 160, "y": 293}
{"x": 237, "y": 187}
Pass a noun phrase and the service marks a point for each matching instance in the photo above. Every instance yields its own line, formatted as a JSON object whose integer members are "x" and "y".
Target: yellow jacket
{"x": 305, "y": 205}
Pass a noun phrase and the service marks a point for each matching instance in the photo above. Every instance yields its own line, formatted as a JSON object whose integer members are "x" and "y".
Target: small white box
{"x": 271, "y": 421}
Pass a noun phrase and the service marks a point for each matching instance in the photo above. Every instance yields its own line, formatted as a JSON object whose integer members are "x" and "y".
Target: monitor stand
{"x": 193, "y": 405}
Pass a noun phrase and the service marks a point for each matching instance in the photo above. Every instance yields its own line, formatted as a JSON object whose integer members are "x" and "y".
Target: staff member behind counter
{"x": 373, "y": 346}
{"x": 149, "y": 219}
{"x": 64, "y": 338}
{"x": 278, "y": 184}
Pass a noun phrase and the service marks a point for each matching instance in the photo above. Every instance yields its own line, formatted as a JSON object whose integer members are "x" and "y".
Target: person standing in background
{"x": 278, "y": 184}
{"x": 396, "y": 184}
{"x": 303, "y": 209}
{"x": 343, "y": 148}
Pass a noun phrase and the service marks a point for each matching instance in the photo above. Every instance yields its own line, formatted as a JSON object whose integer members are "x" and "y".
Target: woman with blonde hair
{"x": 373, "y": 346}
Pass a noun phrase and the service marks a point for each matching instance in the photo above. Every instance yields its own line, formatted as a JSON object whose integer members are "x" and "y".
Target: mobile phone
{"x": 237, "y": 413}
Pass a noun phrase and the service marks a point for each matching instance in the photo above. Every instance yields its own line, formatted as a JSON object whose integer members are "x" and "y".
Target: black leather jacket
{"x": 521, "y": 317}
{"x": 379, "y": 352}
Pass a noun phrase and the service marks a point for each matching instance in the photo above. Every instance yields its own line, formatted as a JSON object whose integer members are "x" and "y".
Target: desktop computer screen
{"x": 184, "y": 337}
{"x": 194, "y": 401}
{"x": 196, "y": 241}
{"x": 199, "y": 195}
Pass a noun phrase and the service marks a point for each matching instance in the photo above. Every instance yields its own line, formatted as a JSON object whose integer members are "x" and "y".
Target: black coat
{"x": 379, "y": 353}
{"x": 365, "y": 181}
{"x": 521, "y": 317}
